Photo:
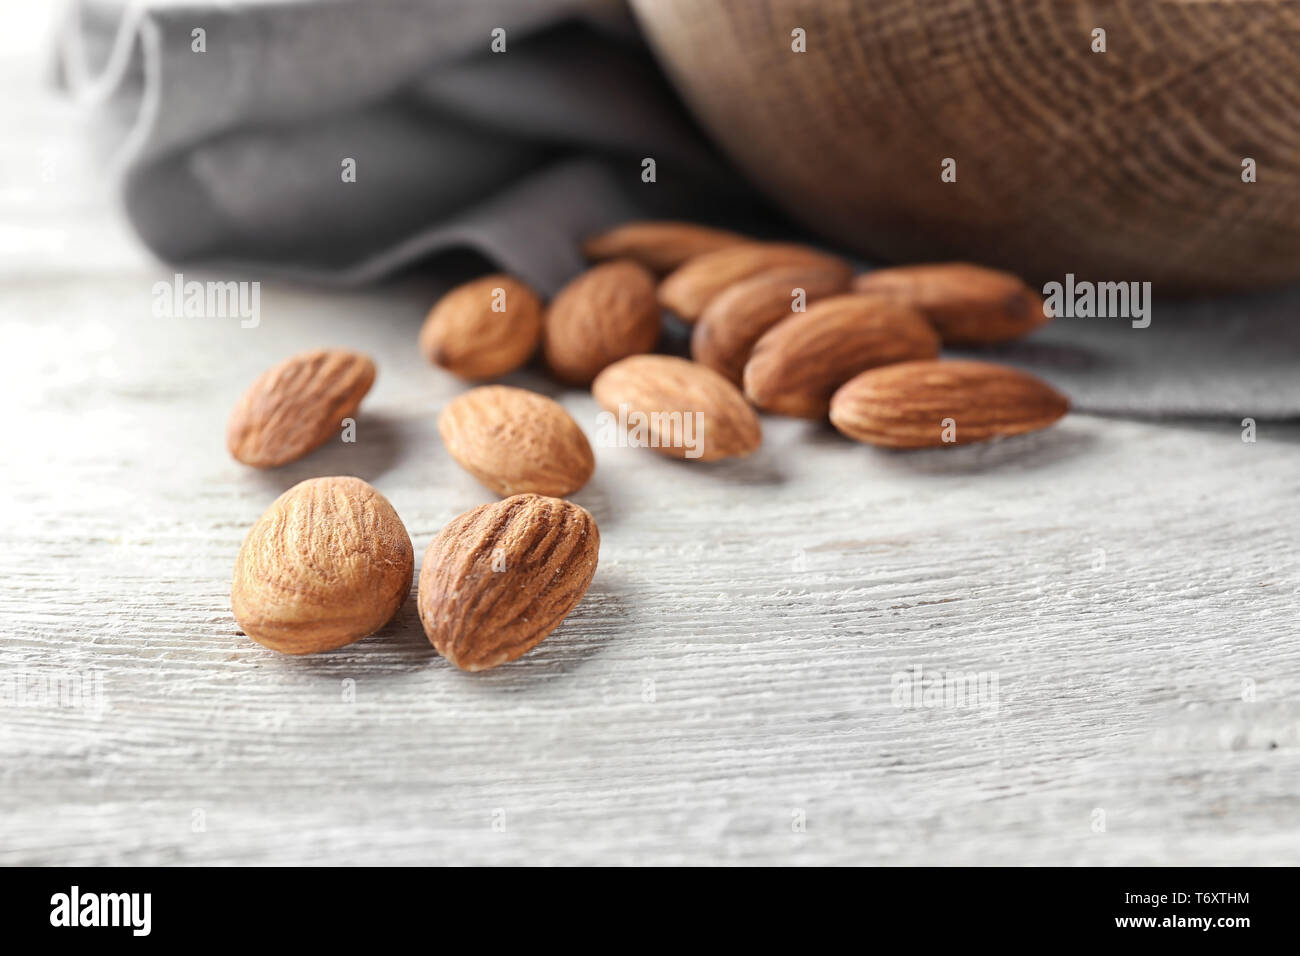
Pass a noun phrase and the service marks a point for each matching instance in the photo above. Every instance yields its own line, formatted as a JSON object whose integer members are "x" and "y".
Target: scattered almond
{"x": 737, "y": 317}
{"x": 515, "y": 441}
{"x": 603, "y": 315}
{"x": 969, "y": 305}
{"x": 483, "y": 329}
{"x": 933, "y": 403}
{"x": 297, "y": 406}
{"x": 680, "y": 408}
{"x": 330, "y": 561}
{"x": 327, "y": 564}
{"x": 799, "y": 363}
{"x": 689, "y": 289}
{"x": 500, "y": 578}
{"x": 659, "y": 246}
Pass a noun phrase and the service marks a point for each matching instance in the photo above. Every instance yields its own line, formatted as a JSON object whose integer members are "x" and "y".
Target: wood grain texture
{"x": 732, "y": 663}
{"x": 1118, "y": 165}
{"x": 731, "y": 666}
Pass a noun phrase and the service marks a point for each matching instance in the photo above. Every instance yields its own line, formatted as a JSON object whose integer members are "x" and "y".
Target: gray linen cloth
{"x": 233, "y": 156}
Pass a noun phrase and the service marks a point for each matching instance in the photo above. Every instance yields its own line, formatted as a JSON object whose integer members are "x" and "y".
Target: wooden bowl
{"x": 1116, "y": 165}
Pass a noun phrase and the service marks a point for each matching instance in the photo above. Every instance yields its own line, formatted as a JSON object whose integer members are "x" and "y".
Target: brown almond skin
{"x": 691, "y": 287}
{"x": 516, "y": 441}
{"x": 297, "y": 406}
{"x": 607, "y": 313}
{"x": 970, "y": 305}
{"x": 658, "y": 245}
{"x": 654, "y": 384}
{"x": 327, "y": 564}
{"x": 498, "y": 579}
{"x": 905, "y": 405}
{"x": 798, "y": 364}
{"x": 737, "y": 317}
{"x": 466, "y": 337}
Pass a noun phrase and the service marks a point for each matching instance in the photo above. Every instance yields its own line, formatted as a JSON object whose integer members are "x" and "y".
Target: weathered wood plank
{"x": 733, "y": 666}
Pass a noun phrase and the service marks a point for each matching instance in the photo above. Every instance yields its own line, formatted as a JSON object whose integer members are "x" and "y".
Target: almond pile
{"x": 779, "y": 327}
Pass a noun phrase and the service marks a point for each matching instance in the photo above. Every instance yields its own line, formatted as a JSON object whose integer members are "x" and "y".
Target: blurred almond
{"x": 483, "y": 329}
{"x": 607, "y": 313}
{"x": 515, "y": 441}
{"x": 680, "y": 408}
{"x": 691, "y": 287}
{"x": 297, "y": 406}
{"x": 934, "y": 403}
{"x": 327, "y": 564}
{"x": 500, "y": 578}
{"x": 799, "y": 363}
{"x": 659, "y": 246}
{"x": 737, "y": 317}
{"x": 969, "y": 305}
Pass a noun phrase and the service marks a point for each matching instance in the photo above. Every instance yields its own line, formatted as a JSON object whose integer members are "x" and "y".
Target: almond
{"x": 483, "y": 329}
{"x": 689, "y": 289}
{"x": 737, "y": 317}
{"x": 680, "y": 408}
{"x": 500, "y": 578}
{"x": 328, "y": 563}
{"x": 515, "y": 441}
{"x": 659, "y": 246}
{"x": 603, "y": 315}
{"x": 799, "y": 363}
{"x": 933, "y": 403}
{"x": 297, "y": 406}
{"x": 969, "y": 305}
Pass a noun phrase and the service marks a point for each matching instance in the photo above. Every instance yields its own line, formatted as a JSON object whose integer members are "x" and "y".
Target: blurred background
{"x": 341, "y": 143}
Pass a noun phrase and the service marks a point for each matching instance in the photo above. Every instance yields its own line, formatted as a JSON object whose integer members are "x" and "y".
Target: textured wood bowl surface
{"x": 1125, "y": 164}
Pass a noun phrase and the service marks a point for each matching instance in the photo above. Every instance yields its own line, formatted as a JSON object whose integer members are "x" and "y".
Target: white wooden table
{"x": 726, "y": 691}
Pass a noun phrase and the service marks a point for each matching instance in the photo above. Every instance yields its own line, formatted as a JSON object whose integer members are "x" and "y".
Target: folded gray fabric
{"x": 1225, "y": 358}
{"x": 233, "y": 155}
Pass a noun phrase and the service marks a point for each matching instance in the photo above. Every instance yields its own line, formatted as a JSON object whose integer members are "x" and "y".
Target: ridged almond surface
{"x": 737, "y": 317}
{"x": 607, "y": 313}
{"x": 660, "y": 246}
{"x": 691, "y": 287}
{"x": 297, "y": 406}
{"x": 798, "y": 364}
{"x": 483, "y": 329}
{"x": 906, "y": 405}
{"x": 327, "y": 564}
{"x": 969, "y": 305}
{"x": 500, "y": 578}
{"x": 680, "y": 408}
{"x": 517, "y": 441}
